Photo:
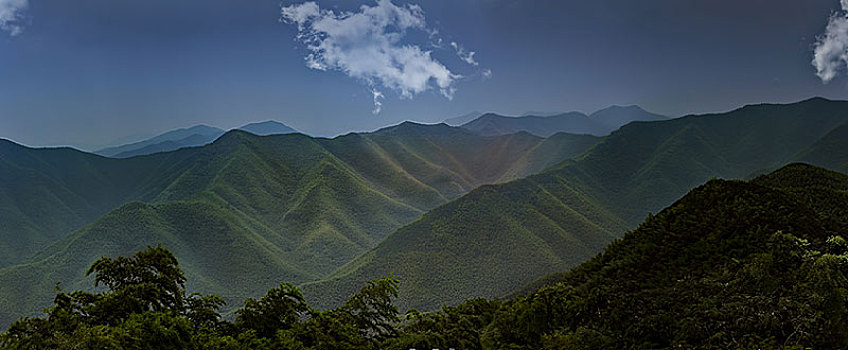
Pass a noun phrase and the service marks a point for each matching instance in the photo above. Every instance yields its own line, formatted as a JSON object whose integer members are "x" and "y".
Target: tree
{"x": 280, "y": 309}
{"x": 144, "y": 306}
{"x": 372, "y": 308}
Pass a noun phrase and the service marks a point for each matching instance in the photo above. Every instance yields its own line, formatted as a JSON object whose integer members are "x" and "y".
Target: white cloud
{"x": 378, "y": 105}
{"x": 487, "y": 74}
{"x": 301, "y": 13}
{"x": 368, "y": 45}
{"x": 830, "y": 54}
{"x": 467, "y": 56}
{"x": 11, "y": 14}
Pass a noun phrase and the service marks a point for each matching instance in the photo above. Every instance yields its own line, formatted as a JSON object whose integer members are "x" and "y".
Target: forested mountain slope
{"x": 730, "y": 265}
{"x": 246, "y": 211}
{"x": 47, "y": 193}
{"x": 498, "y": 238}
{"x": 733, "y": 264}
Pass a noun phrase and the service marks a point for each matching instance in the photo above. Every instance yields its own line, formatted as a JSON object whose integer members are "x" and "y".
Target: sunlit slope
{"x": 295, "y": 207}
{"x": 498, "y": 238}
{"x": 225, "y": 251}
{"x": 47, "y": 193}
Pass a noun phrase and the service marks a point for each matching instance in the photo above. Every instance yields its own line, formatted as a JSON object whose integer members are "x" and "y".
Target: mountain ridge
{"x": 175, "y": 136}
{"x": 707, "y": 271}
{"x": 637, "y": 170}
{"x": 599, "y": 123}
{"x": 194, "y": 136}
{"x": 315, "y": 203}
{"x": 333, "y": 209}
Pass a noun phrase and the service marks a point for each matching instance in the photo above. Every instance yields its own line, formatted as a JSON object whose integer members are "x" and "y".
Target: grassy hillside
{"x": 295, "y": 207}
{"x": 552, "y": 221}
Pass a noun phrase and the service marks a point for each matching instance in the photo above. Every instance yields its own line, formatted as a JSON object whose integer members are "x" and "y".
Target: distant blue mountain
{"x": 268, "y": 128}
{"x": 491, "y": 124}
{"x": 465, "y": 118}
{"x": 198, "y": 135}
{"x": 194, "y": 136}
{"x": 600, "y": 123}
{"x": 617, "y": 116}
{"x": 167, "y": 146}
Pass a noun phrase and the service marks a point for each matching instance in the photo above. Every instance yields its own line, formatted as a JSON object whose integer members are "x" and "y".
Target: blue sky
{"x": 88, "y": 72}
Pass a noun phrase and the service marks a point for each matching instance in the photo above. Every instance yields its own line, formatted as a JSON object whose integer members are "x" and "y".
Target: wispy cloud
{"x": 467, "y": 56}
{"x": 378, "y": 105}
{"x": 487, "y": 74}
{"x": 830, "y": 53}
{"x": 368, "y": 45}
{"x": 11, "y": 14}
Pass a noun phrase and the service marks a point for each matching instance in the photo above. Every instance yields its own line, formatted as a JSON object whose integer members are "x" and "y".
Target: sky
{"x": 90, "y": 73}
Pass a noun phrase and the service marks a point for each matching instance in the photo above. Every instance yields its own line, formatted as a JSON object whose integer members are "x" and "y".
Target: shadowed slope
{"x": 730, "y": 263}
{"x": 578, "y": 206}
{"x": 293, "y": 204}
{"x": 831, "y": 151}
{"x": 47, "y": 193}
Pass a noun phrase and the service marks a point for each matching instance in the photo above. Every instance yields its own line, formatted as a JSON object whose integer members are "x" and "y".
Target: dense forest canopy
{"x": 733, "y": 264}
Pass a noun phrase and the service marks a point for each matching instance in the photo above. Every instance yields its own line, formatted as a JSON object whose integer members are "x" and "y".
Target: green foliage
{"x": 457, "y": 327}
{"x": 145, "y": 306}
{"x": 150, "y": 280}
{"x": 279, "y": 309}
{"x": 301, "y": 209}
{"x": 202, "y": 311}
{"x": 286, "y": 207}
{"x": 730, "y": 265}
{"x": 372, "y": 308}
{"x": 497, "y": 239}
{"x": 304, "y": 209}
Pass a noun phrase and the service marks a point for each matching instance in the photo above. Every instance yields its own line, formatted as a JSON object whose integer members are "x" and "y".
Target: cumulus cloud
{"x": 830, "y": 53}
{"x": 368, "y": 45}
{"x": 11, "y": 14}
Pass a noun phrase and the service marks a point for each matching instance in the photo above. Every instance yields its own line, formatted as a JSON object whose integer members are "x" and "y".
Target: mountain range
{"x": 465, "y": 118}
{"x": 198, "y": 135}
{"x": 732, "y": 264}
{"x": 600, "y": 123}
{"x": 554, "y": 220}
{"x": 754, "y": 264}
{"x": 451, "y": 213}
{"x": 245, "y": 211}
